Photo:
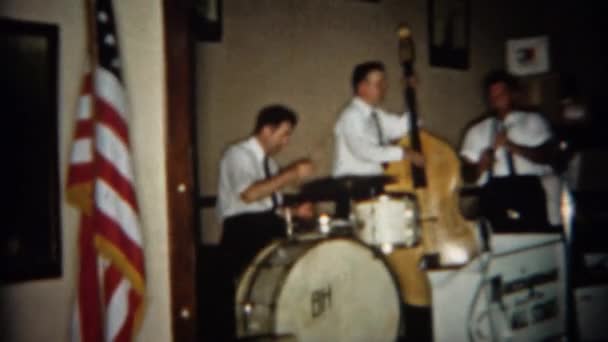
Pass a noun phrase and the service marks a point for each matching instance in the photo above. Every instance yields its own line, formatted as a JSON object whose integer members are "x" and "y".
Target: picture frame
{"x": 208, "y": 20}
{"x": 30, "y": 241}
{"x": 528, "y": 56}
{"x": 449, "y": 33}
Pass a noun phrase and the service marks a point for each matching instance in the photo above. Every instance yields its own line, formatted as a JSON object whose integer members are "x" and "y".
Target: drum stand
{"x": 288, "y": 223}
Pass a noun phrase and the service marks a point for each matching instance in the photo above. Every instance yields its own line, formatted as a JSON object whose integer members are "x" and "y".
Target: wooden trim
{"x": 181, "y": 189}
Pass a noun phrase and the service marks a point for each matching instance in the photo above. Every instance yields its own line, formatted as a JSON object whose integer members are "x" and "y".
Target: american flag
{"x": 111, "y": 279}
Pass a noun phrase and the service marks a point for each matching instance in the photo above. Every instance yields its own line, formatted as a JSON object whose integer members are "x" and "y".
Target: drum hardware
{"x": 288, "y": 223}
{"x": 341, "y": 191}
{"x": 324, "y": 224}
{"x": 387, "y": 248}
{"x": 388, "y": 221}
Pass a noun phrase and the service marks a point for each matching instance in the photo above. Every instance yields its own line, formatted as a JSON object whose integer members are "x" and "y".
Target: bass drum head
{"x": 338, "y": 290}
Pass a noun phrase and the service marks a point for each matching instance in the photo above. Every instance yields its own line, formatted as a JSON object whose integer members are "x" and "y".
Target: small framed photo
{"x": 528, "y": 56}
{"x": 449, "y": 33}
{"x": 208, "y": 21}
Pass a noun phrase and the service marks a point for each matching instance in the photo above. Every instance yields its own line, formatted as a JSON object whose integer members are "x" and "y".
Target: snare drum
{"x": 388, "y": 220}
{"x": 318, "y": 290}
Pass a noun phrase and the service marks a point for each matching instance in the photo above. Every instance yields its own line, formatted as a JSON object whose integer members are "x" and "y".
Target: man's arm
{"x": 264, "y": 188}
{"x": 540, "y": 146}
{"x": 471, "y": 171}
{"x": 541, "y": 154}
{"x": 476, "y": 158}
{"x": 395, "y": 126}
{"x": 366, "y": 148}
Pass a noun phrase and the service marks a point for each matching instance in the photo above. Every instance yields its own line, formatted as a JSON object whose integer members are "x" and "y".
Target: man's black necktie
{"x": 378, "y": 128}
{"x": 274, "y": 196}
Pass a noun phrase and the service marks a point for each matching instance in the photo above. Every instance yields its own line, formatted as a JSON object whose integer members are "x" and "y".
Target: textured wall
{"x": 40, "y": 310}
{"x": 301, "y": 53}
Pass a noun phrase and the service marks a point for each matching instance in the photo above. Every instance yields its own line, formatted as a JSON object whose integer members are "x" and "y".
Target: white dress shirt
{"x": 241, "y": 166}
{"x": 357, "y": 149}
{"x": 525, "y": 129}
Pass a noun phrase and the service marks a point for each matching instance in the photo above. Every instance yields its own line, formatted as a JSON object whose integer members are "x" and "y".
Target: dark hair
{"x": 362, "y": 70}
{"x": 274, "y": 115}
{"x": 499, "y": 76}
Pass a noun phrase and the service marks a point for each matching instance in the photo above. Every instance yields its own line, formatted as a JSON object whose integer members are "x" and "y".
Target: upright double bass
{"x": 448, "y": 239}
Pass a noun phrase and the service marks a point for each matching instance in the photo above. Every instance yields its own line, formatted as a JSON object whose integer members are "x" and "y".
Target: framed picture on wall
{"x": 30, "y": 238}
{"x": 208, "y": 22}
{"x": 528, "y": 56}
{"x": 449, "y": 33}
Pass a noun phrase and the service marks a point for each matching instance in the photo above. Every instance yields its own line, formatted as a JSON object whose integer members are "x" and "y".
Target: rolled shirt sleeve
{"x": 472, "y": 147}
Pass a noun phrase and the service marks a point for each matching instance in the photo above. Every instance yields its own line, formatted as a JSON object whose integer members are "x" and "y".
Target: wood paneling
{"x": 180, "y": 175}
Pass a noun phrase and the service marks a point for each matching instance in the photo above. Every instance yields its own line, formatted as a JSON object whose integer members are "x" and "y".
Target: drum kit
{"x": 336, "y": 282}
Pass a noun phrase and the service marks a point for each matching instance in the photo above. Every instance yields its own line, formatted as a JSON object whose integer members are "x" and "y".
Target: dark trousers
{"x": 243, "y": 238}
{"x": 418, "y": 323}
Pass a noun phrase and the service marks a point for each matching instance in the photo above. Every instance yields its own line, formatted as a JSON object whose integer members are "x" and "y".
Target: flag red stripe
{"x": 108, "y": 115}
{"x": 88, "y": 284}
{"x": 84, "y": 129}
{"x": 122, "y": 186}
{"x": 87, "y": 84}
{"x": 112, "y": 232}
{"x": 126, "y": 331}
{"x": 80, "y": 173}
{"x": 111, "y": 280}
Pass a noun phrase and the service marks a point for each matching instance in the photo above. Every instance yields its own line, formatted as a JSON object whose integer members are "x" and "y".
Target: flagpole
{"x": 92, "y": 60}
{"x": 91, "y": 31}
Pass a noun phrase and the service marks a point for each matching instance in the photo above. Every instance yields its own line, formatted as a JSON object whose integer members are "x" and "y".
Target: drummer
{"x": 249, "y": 194}
{"x": 364, "y": 132}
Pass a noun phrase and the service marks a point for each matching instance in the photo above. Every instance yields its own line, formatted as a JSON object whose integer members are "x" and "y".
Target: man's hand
{"x": 304, "y": 211}
{"x": 301, "y": 169}
{"x": 486, "y": 161}
{"x": 501, "y": 140}
{"x": 415, "y": 157}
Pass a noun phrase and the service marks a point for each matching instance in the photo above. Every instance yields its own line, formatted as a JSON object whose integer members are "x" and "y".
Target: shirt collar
{"x": 254, "y": 145}
{"x": 362, "y": 105}
{"x": 507, "y": 120}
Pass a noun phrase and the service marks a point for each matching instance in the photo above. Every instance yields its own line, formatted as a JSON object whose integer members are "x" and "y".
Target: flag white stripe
{"x": 117, "y": 310}
{"x": 82, "y": 151}
{"x": 84, "y": 107}
{"x": 112, "y": 148}
{"x": 109, "y": 89}
{"x": 113, "y": 206}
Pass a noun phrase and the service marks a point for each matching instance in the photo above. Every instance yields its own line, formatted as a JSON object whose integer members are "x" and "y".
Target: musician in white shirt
{"x": 364, "y": 132}
{"x": 250, "y": 180}
{"x": 526, "y": 136}
{"x": 248, "y": 198}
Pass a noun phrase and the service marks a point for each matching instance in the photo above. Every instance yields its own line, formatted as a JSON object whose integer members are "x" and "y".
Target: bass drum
{"x": 318, "y": 290}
